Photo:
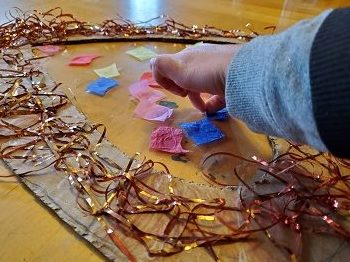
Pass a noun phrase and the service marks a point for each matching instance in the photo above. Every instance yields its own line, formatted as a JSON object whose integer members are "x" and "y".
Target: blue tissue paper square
{"x": 101, "y": 86}
{"x": 221, "y": 115}
{"x": 202, "y": 131}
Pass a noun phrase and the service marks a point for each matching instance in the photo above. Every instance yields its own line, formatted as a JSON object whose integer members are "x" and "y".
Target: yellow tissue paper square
{"x": 141, "y": 53}
{"x": 108, "y": 71}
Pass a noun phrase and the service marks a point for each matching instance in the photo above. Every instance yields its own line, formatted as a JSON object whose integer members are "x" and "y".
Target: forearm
{"x": 268, "y": 84}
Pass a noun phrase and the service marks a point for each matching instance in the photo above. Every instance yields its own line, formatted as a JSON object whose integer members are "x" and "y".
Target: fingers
{"x": 166, "y": 72}
{"x": 169, "y": 85}
{"x": 169, "y": 72}
{"x": 197, "y": 101}
{"x": 165, "y": 65}
{"x": 214, "y": 104}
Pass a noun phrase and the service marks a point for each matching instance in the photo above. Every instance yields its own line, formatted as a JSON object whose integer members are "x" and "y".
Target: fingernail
{"x": 151, "y": 62}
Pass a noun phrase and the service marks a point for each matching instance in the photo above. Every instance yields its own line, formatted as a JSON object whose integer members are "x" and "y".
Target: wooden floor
{"x": 29, "y": 231}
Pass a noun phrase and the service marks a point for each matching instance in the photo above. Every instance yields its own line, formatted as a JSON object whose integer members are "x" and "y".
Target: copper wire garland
{"x": 297, "y": 191}
{"x": 55, "y": 26}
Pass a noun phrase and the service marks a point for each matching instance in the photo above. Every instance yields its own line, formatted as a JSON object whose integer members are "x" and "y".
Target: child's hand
{"x": 196, "y": 70}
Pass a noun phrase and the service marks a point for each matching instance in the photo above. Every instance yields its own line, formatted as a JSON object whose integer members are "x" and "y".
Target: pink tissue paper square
{"x": 150, "y": 111}
{"x": 49, "y": 49}
{"x": 167, "y": 139}
{"x": 83, "y": 59}
{"x": 142, "y": 91}
{"x": 151, "y": 81}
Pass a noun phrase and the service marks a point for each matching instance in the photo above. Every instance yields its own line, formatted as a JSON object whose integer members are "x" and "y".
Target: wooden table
{"x": 31, "y": 232}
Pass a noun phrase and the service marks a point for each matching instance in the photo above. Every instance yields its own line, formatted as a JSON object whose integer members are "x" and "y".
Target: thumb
{"x": 166, "y": 71}
{"x": 166, "y": 66}
{"x": 214, "y": 104}
{"x": 197, "y": 101}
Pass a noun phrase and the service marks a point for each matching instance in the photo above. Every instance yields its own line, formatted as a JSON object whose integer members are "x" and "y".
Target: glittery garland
{"x": 55, "y": 26}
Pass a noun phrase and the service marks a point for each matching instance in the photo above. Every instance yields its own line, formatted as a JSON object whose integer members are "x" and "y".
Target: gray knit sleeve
{"x": 268, "y": 84}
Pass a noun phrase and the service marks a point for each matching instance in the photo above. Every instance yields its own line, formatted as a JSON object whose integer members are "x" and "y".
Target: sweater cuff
{"x": 245, "y": 95}
{"x": 268, "y": 84}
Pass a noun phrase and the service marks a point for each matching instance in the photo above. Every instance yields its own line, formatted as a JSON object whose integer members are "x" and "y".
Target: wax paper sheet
{"x": 54, "y": 190}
